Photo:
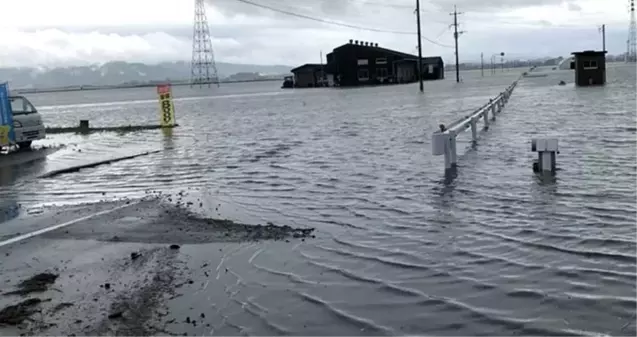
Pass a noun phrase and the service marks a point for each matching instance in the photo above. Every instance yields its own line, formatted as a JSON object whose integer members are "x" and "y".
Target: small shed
{"x": 590, "y": 68}
{"x": 308, "y": 75}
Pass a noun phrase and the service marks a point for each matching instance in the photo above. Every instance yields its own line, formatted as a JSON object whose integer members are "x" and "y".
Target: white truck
{"x": 27, "y": 122}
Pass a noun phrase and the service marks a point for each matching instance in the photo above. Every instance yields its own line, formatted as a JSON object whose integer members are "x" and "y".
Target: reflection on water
{"x": 16, "y": 170}
{"x": 8, "y": 205}
{"x": 401, "y": 247}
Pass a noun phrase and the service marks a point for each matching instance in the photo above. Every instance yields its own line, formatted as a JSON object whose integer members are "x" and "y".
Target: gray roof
{"x": 426, "y": 59}
{"x": 315, "y": 66}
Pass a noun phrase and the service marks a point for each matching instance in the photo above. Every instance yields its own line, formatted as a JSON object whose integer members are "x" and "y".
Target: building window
{"x": 590, "y": 65}
{"x": 381, "y": 72}
{"x": 363, "y": 62}
{"x": 363, "y": 75}
{"x": 381, "y": 60}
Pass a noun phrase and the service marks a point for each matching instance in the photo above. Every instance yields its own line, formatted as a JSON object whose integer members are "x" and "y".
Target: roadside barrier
{"x": 444, "y": 141}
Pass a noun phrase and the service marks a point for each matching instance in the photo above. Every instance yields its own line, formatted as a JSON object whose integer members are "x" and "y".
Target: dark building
{"x": 365, "y": 63}
{"x": 309, "y": 75}
{"x": 590, "y": 68}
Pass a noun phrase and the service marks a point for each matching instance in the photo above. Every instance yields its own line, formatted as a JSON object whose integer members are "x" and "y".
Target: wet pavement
{"x": 115, "y": 267}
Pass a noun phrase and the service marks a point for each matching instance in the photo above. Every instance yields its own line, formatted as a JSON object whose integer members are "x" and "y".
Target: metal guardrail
{"x": 444, "y": 141}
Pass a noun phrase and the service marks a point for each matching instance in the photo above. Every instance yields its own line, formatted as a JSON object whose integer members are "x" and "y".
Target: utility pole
{"x": 422, "y": 88}
{"x": 602, "y": 30}
{"x": 455, "y": 37}
{"x": 482, "y": 63}
{"x": 322, "y": 69}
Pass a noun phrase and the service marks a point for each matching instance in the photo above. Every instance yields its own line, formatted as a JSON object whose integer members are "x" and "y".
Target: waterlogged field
{"x": 399, "y": 249}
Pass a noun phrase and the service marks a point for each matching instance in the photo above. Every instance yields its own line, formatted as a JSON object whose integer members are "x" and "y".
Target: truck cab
{"x": 27, "y": 122}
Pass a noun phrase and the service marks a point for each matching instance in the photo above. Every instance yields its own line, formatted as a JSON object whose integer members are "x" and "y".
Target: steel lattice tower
{"x": 631, "y": 53}
{"x": 203, "y": 67}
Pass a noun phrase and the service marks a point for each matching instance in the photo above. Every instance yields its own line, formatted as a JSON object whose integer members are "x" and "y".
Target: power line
{"x": 330, "y": 22}
{"x": 486, "y": 21}
{"x": 434, "y": 42}
{"x": 337, "y": 23}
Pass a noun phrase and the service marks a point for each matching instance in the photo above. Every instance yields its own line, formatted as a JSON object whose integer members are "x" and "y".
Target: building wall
{"x": 406, "y": 72}
{"x": 432, "y": 71}
{"x": 358, "y": 65}
{"x": 304, "y": 79}
{"x": 590, "y": 70}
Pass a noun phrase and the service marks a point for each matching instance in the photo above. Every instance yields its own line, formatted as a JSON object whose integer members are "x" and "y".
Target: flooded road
{"x": 398, "y": 249}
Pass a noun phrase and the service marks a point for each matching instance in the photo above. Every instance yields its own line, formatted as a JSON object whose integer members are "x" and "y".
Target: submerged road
{"x": 398, "y": 249}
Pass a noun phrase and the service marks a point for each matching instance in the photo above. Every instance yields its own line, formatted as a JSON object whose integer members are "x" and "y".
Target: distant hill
{"x": 115, "y": 73}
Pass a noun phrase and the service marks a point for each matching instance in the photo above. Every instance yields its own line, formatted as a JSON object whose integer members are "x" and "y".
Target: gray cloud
{"x": 345, "y": 8}
{"x": 247, "y": 34}
{"x": 332, "y": 7}
{"x": 494, "y": 5}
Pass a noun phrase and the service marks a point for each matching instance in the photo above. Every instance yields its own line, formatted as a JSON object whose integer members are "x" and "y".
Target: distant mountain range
{"x": 117, "y": 73}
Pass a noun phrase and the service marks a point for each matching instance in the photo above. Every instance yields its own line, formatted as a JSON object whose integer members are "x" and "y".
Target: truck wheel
{"x": 25, "y": 146}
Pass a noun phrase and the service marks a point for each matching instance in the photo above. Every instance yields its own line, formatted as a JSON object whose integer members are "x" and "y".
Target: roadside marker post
{"x": 166, "y": 106}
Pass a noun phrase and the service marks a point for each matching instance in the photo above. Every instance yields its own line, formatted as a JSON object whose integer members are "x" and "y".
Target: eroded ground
{"x": 113, "y": 273}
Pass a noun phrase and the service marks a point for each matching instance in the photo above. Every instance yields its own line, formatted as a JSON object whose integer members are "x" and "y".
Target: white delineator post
{"x": 547, "y": 150}
{"x": 443, "y": 143}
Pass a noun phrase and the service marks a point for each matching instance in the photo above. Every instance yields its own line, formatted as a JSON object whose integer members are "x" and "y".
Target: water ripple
{"x": 400, "y": 249}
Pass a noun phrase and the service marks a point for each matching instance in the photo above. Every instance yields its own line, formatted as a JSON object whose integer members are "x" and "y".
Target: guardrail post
{"x": 546, "y": 149}
{"x": 453, "y": 158}
{"x": 486, "y": 115}
{"x": 493, "y": 109}
{"x": 474, "y": 129}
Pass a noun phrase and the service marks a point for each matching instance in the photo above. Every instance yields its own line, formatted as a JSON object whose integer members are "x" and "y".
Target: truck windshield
{"x": 21, "y": 106}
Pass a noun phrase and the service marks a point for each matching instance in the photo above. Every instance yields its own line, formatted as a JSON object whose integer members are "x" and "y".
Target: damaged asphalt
{"x": 128, "y": 272}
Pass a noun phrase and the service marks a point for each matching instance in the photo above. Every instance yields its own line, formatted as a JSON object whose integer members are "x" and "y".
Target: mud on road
{"x": 112, "y": 274}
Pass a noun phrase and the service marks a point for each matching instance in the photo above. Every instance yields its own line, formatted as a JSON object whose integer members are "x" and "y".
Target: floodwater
{"x": 400, "y": 248}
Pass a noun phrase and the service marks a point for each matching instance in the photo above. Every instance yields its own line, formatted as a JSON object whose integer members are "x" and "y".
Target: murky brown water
{"x": 400, "y": 250}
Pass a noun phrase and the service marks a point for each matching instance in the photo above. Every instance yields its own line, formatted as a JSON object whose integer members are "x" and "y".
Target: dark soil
{"x": 61, "y": 306}
{"x": 36, "y": 284}
{"x": 16, "y": 314}
{"x": 241, "y": 232}
{"x": 180, "y": 224}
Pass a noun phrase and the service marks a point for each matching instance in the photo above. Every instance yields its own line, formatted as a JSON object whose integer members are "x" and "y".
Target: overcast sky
{"x": 73, "y": 32}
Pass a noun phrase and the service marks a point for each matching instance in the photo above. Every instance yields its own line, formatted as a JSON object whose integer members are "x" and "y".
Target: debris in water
{"x": 107, "y": 286}
{"x": 16, "y": 314}
{"x": 174, "y": 247}
{"x": 62, "y": 306}
{"x": 37, "y": 283}
{"x": 117, "y": 314}
{"x": 134, "y": 255}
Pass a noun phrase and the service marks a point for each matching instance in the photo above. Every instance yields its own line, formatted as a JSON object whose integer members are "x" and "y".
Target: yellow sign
{"x": 166, "y": 106}
{"x": 4, "y": 135}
